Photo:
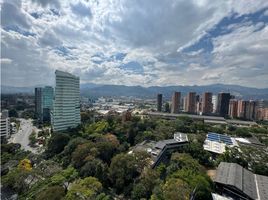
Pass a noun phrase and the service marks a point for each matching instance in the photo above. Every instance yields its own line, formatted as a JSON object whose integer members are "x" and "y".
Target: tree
{"x": 176, "y": 189}
{"x": 95, "y": 167}
{"x": 81, "y": 152}
{"x": 48, "y": 168}
{"x": 87, "y": 188}
{"x": 57, "y": 143}
{"x": 182, "y": 161}
{"x": 112, "y": 139}
{"x": 87, "y": 117}
{"x": 69, "y": 149}
{"x": 28, "y": 114}
{"x": 203, "y": 186}
{"x": 167, "y": 108}
{"x": 10, "y": 148}
{"x": 196, "y": 150}
{"x": 106, "y": 150}
{"x": 98, "y": 127}
{"x": 144, "y": 187}
{"x": 51, "y": 193}
{"x": 12, "y": 113}
{"x": 146, "y": 135}
{"x": 122, "y": 171}
{"x": 65, "y": 177}
{"x": 32, "y": 138}
{"x": 242, "y": 132}
{"x": 19, "y": 180}
{"x": 260, "y": 168}
{"x": 233, "y": 155}
{"x": 197, "y": 181}
{"x": 25, "y": 164}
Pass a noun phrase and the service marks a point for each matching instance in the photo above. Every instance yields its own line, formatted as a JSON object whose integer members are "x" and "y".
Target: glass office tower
{"x": 38, "y": 92}
{"x": 66, "y": 105}
{"x": 47, "y": 97}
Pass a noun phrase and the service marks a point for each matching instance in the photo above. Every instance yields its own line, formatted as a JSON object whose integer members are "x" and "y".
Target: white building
{"x": 66, "y": 104}
{"x": 5, "y": 124}
{"x": 217, "y": 143}
{"x": 215, "y": 103}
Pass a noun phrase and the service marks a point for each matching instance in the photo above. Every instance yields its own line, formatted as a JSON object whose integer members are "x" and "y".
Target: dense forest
{"x": 92, "y": 161}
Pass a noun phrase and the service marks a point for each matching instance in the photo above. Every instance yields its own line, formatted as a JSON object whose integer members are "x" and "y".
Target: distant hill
{"x": 150, "y": 92}
{"x": 12, "y": 90}
{"x": 95, "y": 90}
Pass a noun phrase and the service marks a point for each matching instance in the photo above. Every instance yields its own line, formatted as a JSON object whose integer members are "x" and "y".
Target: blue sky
{"x": 154, "y": 42}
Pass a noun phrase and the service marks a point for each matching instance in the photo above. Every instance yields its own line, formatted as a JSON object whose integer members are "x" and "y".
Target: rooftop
{"x": 219, "y": 197}
{"x": 241, "y": 122}
{"x": 217, "y": 142}
{"x": 206, "y": 118}
{"x": 188, "y": 115}
{"x": 253, "y": 185}
{"x": 219, "y": 138}
{"x": 155, "y": 149}
{"x": 66, "y": 74}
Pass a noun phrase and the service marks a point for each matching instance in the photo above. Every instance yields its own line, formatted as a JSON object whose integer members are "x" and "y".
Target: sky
{"x": 135, "y": 42}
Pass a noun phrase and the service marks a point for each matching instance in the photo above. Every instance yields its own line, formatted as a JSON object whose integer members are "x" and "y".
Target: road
{"x": 22, "y": 136}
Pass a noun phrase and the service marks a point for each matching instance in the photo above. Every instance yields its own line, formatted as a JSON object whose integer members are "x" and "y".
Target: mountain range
{"x": 94, "y": 90}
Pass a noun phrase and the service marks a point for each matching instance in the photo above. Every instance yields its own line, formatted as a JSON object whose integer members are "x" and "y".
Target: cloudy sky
{"x": 135, "y": 42}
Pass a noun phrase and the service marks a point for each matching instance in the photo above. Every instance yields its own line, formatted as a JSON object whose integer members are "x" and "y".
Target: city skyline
{"x": 192, "y": 43}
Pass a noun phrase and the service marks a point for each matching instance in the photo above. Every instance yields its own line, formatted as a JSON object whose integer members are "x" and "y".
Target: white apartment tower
{"x": 66, "y": 105}
{"x": 4, "y": 124}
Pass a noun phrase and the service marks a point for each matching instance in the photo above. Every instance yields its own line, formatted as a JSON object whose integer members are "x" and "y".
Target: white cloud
{"x": 68, "y": 34}
{"x": 211, "y": 76}
{"x": 5, "y": 61}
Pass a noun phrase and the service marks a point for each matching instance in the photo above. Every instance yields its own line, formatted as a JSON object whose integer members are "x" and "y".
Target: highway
{"x": 22, "y": 136}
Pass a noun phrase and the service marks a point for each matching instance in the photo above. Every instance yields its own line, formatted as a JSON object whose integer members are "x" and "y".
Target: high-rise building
{"x": 215, "y": 103}
{"x": 43, "y": 103}
{"x": 233, "y": 108}
{"x": 191, "y": 102}
{"x": 39, "y": 103}
{"x": 243, "y": 109}
{"x": 184, "y": 103}
{"x": 159, "y": 102}
{"x": 262, "y": 104}
{"x": 207, "y": 106}
{"x": 47, "y": 104}
{"x": 66, "y": 105}
{"x": 223, "y": 104}
{"x": 262, "y": 114}
{"x": 247, "y": 110}
{"x": 198, "y": 105}
{"x": 252, "y": 110}
{"x": 175, "y": 104}
{"x": 5, "y": 124}
{"x": 261, "y": 110}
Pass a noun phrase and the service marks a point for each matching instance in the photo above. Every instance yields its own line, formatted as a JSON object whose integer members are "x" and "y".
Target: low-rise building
{"x": 13, "y": 127}
{"x": 252, "y": 141}
{"x": 217, "y": 143}
{"x": 234, "y": 181}
{"x": 159, "y": 150}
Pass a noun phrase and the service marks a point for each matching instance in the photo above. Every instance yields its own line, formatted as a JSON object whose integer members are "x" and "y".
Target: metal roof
{"x": 178, "y": 138}
{"x": 262, "y": 182}
{"x": 232, "y": 174}
{"x": 188, "y": 115}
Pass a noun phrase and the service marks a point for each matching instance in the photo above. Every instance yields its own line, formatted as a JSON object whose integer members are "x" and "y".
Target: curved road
{"x": 22, "y": 136}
